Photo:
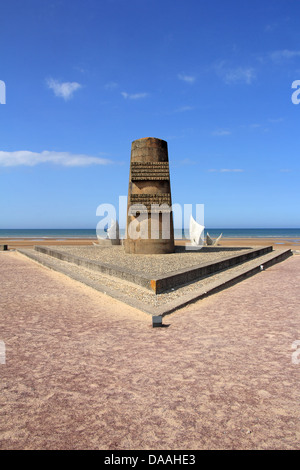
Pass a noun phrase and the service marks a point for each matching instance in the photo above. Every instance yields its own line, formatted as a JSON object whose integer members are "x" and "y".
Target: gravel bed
{"x": 131, "y": 290}
{"x": 157, "y": 265}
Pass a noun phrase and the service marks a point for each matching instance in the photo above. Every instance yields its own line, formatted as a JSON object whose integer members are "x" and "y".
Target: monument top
{"x": 149, "y": 149}
{"x": 150, "y": 138}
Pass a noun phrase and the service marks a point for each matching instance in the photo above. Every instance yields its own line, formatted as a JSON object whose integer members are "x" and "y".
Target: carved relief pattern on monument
{"x": 150, "y": 171}
{"x": 149, "y": 201}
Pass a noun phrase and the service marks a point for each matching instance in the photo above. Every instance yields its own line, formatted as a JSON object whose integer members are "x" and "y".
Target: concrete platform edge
{"x": 227, "y": 281}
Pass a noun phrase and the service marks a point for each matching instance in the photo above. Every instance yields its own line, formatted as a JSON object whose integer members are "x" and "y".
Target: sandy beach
{"x": 277, "y": 243}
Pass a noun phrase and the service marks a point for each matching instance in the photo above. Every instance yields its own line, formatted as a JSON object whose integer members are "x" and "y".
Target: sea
{"x": 62, "y": 234}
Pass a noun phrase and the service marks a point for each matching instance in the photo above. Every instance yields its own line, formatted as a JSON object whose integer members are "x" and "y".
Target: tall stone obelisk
{"x": 149, "y": 213}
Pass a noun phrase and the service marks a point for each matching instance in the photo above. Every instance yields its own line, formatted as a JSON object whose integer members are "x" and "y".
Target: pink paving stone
{"x": 84, "y": 371}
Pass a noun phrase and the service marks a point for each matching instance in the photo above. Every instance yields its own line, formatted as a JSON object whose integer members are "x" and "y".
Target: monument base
{"x": 182, "y": 277}
{"x": 107, "y": 242}
{"x": 153, "y": 248}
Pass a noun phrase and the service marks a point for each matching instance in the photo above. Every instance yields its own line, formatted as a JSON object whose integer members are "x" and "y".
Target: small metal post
{"x": 157, "y": 321}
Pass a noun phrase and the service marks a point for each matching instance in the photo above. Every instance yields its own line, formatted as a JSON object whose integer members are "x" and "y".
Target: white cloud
{"x": 64, "y": 90}
{"x": 227, "y": 170}
{"x": 270, "y": 27}
{"x": 133, "y": 96}
{"x": 27, "y": 158}
{"x": 255, "y": 126}
{"x": 221, "y": 132}
{"x": 183, "y": 109}
{"x": 275, "y": 121}
{"x": 233, "y": 75}
{"x": 285, "y": 54}
{"x": 186, "y": 78}
{"x": 240, "y": 74}
{"x": 111, "y": 85}
{"x": 81, "y": 69}
{"x": 187, "y": 162}
{"x": 230, "y": 170}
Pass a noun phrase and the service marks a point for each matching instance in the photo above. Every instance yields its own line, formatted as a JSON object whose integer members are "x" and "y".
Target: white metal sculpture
{"x": 211, "y": 242}
{"x": 113, "y": 231}
{"x": 196, "y": 233}
{"x": 112, "y": 235}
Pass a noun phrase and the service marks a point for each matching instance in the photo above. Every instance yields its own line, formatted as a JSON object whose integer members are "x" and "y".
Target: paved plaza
{"x": 85, "y": 371}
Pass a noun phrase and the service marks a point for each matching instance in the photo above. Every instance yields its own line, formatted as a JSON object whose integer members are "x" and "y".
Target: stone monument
{"x": 149, "y": 213}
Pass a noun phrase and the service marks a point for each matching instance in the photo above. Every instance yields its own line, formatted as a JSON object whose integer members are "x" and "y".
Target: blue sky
{"x": 86, "y": 78}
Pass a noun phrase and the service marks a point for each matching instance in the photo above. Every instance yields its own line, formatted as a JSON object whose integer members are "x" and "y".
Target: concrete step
{"x": 162, "y": 304}
{"x": 227, "y": 279}
{"x": 163, "y": 283}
